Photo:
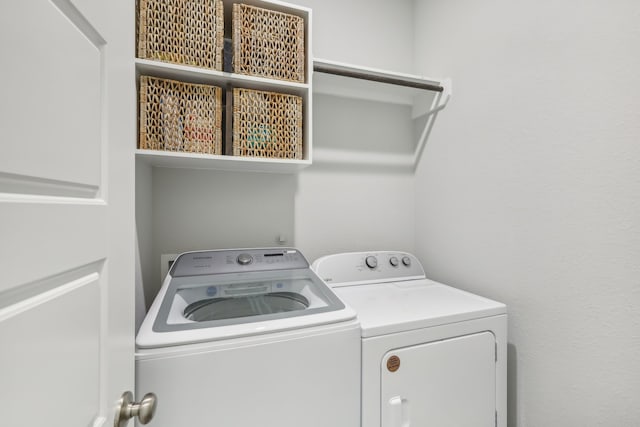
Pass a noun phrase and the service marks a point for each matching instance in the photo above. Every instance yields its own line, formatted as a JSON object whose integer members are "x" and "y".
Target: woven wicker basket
{"x": 187, "y": 32}
{"x": 268, "y": 44}
{"x": 266, "y": 124}
{"x": 177, "y": 116}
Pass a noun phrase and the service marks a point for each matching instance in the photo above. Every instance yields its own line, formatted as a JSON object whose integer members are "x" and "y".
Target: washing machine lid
{"x": 387, "y": 308}
{"x": 212, "y": 295}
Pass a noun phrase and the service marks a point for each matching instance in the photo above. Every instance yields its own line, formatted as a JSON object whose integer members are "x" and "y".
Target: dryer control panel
{"x": 371, "y": 267}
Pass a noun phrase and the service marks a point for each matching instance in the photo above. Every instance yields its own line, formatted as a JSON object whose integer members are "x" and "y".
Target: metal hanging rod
{"x": 340, "y": 71}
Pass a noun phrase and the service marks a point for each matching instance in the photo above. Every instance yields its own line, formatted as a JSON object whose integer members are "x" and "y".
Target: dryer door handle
{"x": 399, "y": 412}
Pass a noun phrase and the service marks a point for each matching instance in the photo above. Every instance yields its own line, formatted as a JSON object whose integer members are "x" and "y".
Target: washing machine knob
{"x": 393, "y": 261}
{"x": 244, "y": 259}
{"x": 406, "y": 261}
{"x": 371, "y": 261}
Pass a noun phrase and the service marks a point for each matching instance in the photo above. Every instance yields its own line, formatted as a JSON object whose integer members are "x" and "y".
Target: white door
{"x": 443, "y": 383}
{"x": 67, "y": 120}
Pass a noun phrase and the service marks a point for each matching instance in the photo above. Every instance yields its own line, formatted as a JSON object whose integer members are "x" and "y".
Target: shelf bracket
{"x": 440, "y": 102}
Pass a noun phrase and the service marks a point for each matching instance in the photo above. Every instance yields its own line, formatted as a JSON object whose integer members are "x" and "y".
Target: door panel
{"x": 52, "y": 88}
{"x": 50, "y": 237}
{"x": 444, "y": 383}
{"x": 45, "y": 367}
{"x": 66, "y": 211}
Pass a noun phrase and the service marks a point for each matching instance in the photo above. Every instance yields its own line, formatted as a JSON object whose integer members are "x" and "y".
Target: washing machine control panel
{"x": 237, "y": 261}
{"x": 384, "y": 266}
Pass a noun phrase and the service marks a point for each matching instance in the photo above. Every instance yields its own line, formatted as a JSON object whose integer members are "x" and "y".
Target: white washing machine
{"x": 246, "y": 338}
{"x": 432, "y": 355}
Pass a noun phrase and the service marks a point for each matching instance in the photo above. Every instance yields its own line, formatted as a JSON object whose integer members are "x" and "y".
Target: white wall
{"x": 201, "y": 209}
{"x": 375, "y": 33}
{"x": 528, "y": 192}
{"x": 348, "y": 207}
{"x": 351, "y": 207}
{"x": 148, "y": 265}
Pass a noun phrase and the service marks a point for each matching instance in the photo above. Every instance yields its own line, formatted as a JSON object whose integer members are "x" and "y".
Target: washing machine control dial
{"x": 244, "y": 259}
{"x": 406, "y": 261}
{"x": 371, "y": 261}
{"x": 394, "y": 261}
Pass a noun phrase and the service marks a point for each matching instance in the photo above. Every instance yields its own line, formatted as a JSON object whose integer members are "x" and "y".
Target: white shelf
{"x": 189, "y": 74}
{"x": 426, "y": 96}
{"x": 172, "y": 159}
{"x": 398, "y": 92}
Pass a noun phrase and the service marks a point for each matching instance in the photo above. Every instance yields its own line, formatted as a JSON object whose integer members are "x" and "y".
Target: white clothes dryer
{"x": 249, "y": 337}
{"x": 432, "y": 355}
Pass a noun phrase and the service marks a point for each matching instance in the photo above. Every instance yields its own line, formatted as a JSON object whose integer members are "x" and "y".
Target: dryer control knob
{"x": 371, "y": 261}
{"x": 244, "y": 259}
{"x": 406, "y": 261}
{"x": 393, "y": 261}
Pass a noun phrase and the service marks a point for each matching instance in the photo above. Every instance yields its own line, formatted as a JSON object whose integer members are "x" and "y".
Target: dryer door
{"x": 443, "y": 383}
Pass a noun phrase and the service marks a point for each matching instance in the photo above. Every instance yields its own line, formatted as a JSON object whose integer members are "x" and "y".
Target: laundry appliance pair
{"x": 259, "y": 337}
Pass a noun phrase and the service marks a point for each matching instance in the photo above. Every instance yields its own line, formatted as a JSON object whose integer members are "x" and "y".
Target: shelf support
{"x": 439, "y": 103}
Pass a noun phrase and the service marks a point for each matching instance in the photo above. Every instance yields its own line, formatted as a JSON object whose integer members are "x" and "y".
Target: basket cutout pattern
{"x": 268, "y": 43}
{"x": 267, "y": 124}
{"x": 177, "y": 116}
{"x": 187, "y": 32}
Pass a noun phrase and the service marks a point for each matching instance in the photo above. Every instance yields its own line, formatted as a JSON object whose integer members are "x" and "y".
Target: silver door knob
{"x": 128, "y": 409}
